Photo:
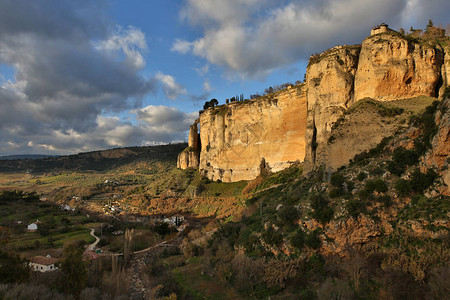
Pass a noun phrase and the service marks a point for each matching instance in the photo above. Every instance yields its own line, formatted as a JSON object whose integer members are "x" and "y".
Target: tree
{"x": 213, "y": 102}
{"x": 429, "y": 25}
{"x": 74, "y": 269}
{"x": 13, "y": 269}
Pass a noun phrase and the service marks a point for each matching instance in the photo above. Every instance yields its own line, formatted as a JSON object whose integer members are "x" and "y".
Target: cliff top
{"x": 268, "y": 97}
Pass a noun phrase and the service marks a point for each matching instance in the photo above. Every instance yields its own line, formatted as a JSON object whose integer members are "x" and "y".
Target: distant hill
{"x": 96, "y": 160}
{"x": 25, "y": 156}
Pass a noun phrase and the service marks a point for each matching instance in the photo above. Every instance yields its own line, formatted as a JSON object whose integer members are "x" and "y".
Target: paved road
{"x": 91, "y": 247}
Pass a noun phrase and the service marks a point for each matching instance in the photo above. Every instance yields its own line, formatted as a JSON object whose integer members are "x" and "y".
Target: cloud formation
{"x": 73, "y": 69}
{"x": 254, "y": 37}
{"x": 172, "y": 90}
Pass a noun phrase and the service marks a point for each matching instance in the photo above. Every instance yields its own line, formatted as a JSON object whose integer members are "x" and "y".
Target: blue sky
{"x": 87, "y": 75}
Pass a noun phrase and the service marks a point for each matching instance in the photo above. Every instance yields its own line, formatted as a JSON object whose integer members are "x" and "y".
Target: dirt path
{"x": 91, "y": 247}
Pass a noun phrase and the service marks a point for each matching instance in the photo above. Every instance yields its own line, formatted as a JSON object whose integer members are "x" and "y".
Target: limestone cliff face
{"x": 386, "y": 67}
{"x": 190, "y": 157}
{"x": 329, "y": 81}
{"x": 391, "y": 67}
{"x": 299, "y": 123}
{"x": 235, "y": 138}
{"x": 438, "y": 156}
{"x": 445, "y": 70}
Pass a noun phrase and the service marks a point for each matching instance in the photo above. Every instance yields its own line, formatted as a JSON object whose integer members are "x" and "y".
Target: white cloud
{"x": 254, "y": 37}
{"x": 71, "y": 70}
{"x": 171, "y": 88}
{"x": 181, "y": 46}
{"x": 131, "y": 41}
{"x": 207, "y": 86}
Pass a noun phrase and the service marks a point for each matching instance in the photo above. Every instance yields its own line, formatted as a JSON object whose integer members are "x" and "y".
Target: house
{"x": 32, "y": 227}
{"x": 67, "y": 207}
{"x": 43, "y": 263}
{"x": 383, "y": 27}
{"x": 175, "y": 220}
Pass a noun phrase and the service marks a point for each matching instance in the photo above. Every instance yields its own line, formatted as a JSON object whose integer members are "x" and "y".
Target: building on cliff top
{"x": 383, "y": 27}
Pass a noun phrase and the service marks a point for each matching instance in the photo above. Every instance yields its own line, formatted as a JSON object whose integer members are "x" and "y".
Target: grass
{"x": 30, "y": 238}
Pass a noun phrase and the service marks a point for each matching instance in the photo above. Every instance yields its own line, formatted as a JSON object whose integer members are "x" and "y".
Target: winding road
{"x": 91, "y": 247}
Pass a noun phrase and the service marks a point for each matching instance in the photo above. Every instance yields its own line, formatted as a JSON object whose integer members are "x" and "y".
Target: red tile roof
{"x": 42, "y": 260}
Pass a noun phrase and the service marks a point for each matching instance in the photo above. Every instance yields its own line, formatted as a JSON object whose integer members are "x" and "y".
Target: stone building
{"x": 383, "y": 27}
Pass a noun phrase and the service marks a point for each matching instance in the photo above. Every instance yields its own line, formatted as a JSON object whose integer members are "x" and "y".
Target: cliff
{"x": 300, "y": 123}
{"x": 437, "y": 157}
{"x": 235, "y": 138}
{"x": 329, "y": 80}
{"x": 392, "y": 67}
{"x": 190, "y": 157}
{"x": 387, "y": 66}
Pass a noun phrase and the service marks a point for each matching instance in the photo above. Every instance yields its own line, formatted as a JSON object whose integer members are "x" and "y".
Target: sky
{"x": 77, "y": 76}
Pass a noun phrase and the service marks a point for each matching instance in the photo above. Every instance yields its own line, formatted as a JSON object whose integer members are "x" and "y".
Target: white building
{"x": 43, "y": 264}
{"x": 32, "y": 227}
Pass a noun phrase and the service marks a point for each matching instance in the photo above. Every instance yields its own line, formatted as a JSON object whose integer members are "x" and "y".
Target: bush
{"x": 401, "y": 158}
{"x": 371, "y": 186}
{"x": 403, "y": 187}
{"x": 313, "y": 240}
{"x": 334, "y": 193}
{"x": 421, "y": 181}
{"x": 323, "y": 212}
{"x": 272, "y": 237}
{"x": 361, "y": 176}
{"x": 337, "y": 180}
{"x": 386, "y": 200}
{"x": 288, "y": 215}
{"x": 355, "y": 207}
{"x": 298, "y": 239}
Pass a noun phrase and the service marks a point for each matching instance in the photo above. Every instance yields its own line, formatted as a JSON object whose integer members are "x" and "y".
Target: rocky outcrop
{"x": 237, "y": 137}
{"x": 392, "y": 67}
{"x": 190, "y": 157}
{"x": 329, "y": 81}
{"x": 445, "y": 71}
{"x": 438, "y": 157}
{"x": 388, "y": 66}
{"x": 288, "y": 126}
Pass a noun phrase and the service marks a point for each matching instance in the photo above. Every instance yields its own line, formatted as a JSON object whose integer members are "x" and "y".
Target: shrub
{"x": 377, "y": 171}
{"x": 377, "y": 185}
{"x": 313, "y": 240}
{"x": 401, "y": 158}
{"x": 287, "y": 215}
{"x": 298, "y": 239}
{"x": 323, "y": 212}
{"x": 354, "y": 207}
{"x": 361, "y": 176}
{"x": 386, "y": 200}
{"x": 334, "y": 193}
{"x": 272, "y": 237}
{"x": 421, "y": 181}
{"x": 403, "y": 187}
{"x": 337, "y": 180}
